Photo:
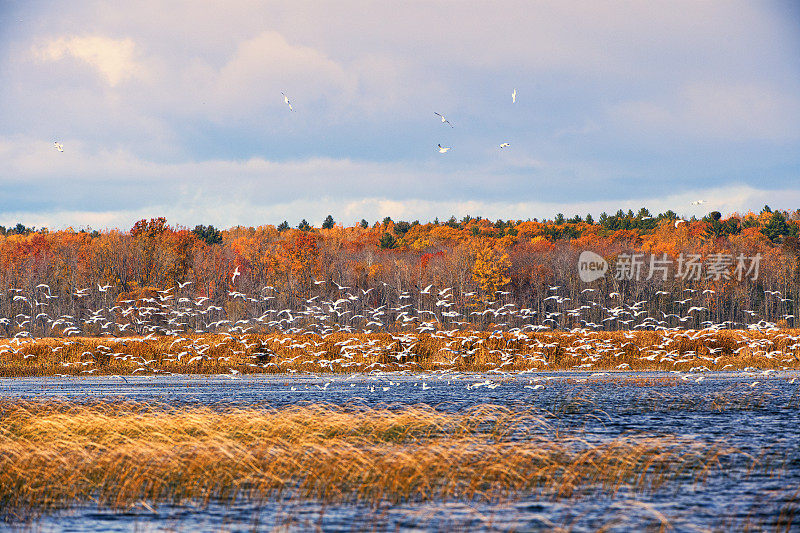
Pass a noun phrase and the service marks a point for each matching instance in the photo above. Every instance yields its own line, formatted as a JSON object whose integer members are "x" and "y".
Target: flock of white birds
{"x": 175, "y": 310}
{"x": 267, "y": 329}
{"x": 444, "y": 120}
{"x": 272, "y": 339}
{"x": 441, "y": 149}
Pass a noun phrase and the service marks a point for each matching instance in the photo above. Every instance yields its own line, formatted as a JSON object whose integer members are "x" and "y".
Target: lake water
{"x": 761, "y": 417}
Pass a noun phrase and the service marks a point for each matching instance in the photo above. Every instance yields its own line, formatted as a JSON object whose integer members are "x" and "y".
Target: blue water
{"x": 764, "y": 422}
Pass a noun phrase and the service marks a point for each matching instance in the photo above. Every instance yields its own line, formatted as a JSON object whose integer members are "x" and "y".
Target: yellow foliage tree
{"x": 489, "y": 271}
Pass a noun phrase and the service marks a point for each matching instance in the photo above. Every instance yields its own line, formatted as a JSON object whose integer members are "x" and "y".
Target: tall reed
{"x": 53, "y": 455}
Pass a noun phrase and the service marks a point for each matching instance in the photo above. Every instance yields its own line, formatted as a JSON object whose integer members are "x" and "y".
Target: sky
{"x": 175, "y": 109}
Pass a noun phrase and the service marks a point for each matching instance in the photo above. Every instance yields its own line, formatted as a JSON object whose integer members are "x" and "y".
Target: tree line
{"x": 484, "y": 263}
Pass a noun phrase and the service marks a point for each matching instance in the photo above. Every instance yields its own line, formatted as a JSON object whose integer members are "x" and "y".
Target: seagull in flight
{"x": 698, "y": 202}
{"x": 444, "y": 120}
{"x": 443, "y": 149}
{"x": 514, "y": 97}
{"x": 235, "y": 273}
{"x": 59, "y": 146}
{"x": 286, "y": 99}
{"x": 504, "y": 145}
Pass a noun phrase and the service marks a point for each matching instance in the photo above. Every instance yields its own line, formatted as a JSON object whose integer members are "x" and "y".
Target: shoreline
{"x": 692, "y": 351}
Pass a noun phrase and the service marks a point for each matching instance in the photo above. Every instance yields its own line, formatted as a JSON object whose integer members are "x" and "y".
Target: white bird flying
{"x": 505, "y": 145}
{"x": 514, "y": 97}
{"x": 59, "y": 146}
{"x": 443, "y": 149}
{"x": 235, "y": 273}
{"x": 286, "y": 99}
{"x": 444, "y": 120}
{"x": 698, "y": 202}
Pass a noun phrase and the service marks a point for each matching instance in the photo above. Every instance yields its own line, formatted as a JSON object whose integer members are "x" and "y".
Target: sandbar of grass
{"x": 55, "y": 455}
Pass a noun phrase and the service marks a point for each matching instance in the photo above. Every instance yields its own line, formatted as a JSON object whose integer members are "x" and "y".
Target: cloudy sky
{"x": 175, "y": 109}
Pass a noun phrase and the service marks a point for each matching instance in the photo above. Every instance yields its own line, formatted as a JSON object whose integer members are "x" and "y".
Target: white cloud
{"x": 114, "y": 59}
{"x": 266, "y": 65}
{"x": 228, "y": 212}
{"x": 188, "y": 117}
{"x": 716, "y": 111}
{"x": 114, "y": 188}
{"x": 743, "y": 111}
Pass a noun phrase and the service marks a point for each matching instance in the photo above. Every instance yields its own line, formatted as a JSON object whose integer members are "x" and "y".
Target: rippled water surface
{"x": 756, "y": 413}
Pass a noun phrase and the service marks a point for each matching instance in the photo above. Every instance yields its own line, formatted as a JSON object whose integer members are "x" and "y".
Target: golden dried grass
{"x": 54, "y": 455}
{"x": 459, "y": 351}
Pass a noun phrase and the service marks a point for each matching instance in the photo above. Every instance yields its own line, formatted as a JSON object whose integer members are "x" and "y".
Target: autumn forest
{"x": 240, "y": 273}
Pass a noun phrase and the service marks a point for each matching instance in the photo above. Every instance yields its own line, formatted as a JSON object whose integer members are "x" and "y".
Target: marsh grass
{"x": 468, "y": 351}
{"x": 115, "y": 455}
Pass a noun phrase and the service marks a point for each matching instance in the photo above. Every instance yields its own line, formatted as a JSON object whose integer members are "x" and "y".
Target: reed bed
{"x": 116, "y": 455}
{"x": 443, "y": 350}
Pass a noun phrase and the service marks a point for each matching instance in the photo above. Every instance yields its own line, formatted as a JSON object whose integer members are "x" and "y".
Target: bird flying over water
{"x": 443, "y": 149}
{"x": 59, "y": 146}
{"x": 514, "y": 97}
{"x": 505, "y": 145}
{"x": 444, "y": 120}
